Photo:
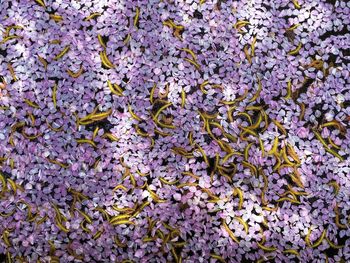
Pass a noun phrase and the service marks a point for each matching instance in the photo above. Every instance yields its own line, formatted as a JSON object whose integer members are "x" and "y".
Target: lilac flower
{"x": 85, "y": 177}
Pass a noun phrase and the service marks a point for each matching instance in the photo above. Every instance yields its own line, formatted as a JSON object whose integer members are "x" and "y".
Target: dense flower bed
{"x": 175, "y": 131}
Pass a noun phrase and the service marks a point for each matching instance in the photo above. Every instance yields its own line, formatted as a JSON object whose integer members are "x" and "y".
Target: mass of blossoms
{"x": 174, "y": 131}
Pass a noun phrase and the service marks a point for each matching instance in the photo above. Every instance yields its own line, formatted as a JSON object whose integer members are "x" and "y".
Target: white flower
{"x": 329, "y": 115}
{"x": 145, "y": 194}
{"x": 340, "y": 98}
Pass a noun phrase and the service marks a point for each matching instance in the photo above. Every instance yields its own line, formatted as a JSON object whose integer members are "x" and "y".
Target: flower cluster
{"x": 175, "y": 131}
